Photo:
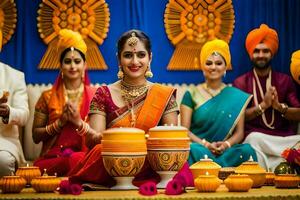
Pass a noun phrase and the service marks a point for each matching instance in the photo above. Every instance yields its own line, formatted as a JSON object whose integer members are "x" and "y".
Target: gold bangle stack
{"x": 259, "y": 110}
{"x": 283, "y": 109}
{"x": 54, "y": 128}
{"x": 83, "y": 129}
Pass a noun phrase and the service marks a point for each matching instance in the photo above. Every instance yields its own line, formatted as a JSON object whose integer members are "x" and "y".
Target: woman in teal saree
{"x": 214, "y": 112}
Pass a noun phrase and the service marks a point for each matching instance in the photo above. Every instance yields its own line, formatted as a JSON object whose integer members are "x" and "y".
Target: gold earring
{"x": 82, "y": 76}
{"x": 149, "y": 73}
{"x": 120, "y": 73}
{"x": 62, "y": 75}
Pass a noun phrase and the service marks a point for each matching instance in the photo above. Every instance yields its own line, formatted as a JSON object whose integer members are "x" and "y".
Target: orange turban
{"x": 262, "y": 34}
{"x": 216, "y": 45}
{"x": 69, "y": 38}
{"x": 295, "y": 66}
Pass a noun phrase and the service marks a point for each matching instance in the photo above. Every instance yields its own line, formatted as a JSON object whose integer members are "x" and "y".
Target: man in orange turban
{"x": 268, "y": 127}
{"x": 265, "y": 35}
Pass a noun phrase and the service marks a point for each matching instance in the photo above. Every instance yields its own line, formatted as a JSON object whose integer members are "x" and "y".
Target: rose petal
{"x": 64, "y": 187}
{"x": 67, "y": 152}
{"x": 148, "y": 188}
{"x": 174, "y": 187}
{"x": 76, "y": 189}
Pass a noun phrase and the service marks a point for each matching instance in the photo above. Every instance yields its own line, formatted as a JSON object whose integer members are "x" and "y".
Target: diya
{"x": 207, "y": 183}
{"x": 45, "y": 183}
{"x": 168, "y": 149}
{"x": 28, "y": 173}
{"x": 12, "y": 184}
{"x": 255, "y": 172}
{"x": 238, "y": 183}
{"x": 124, "y": 152}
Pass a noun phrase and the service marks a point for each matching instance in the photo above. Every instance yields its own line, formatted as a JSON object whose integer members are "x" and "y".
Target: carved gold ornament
{"x": 88, "y": 17}
{"x": 8, "y": 20}
{"x": 191, "y": 23}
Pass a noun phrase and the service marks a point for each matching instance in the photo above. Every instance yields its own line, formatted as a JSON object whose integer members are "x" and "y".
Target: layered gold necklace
{"x": 74, "y": 95}
{"x": 213, "y": 92}
{"x": 129, "y": 93}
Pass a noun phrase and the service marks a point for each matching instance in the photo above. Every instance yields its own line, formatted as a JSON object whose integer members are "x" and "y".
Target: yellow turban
{"x": 218, "y": 46}
{"x": 295, "y": 66}
{"x": 262, "y": 34}
{"x": 69, "y": 38}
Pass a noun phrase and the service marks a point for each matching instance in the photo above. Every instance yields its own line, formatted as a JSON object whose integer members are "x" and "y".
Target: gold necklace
{"x": 213, "y": 92}
{"x": 73, "y": 95}
{"x": 130, "y": 92}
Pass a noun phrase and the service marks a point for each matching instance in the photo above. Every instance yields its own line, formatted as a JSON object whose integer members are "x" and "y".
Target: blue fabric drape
{"x": 25, "y": 50}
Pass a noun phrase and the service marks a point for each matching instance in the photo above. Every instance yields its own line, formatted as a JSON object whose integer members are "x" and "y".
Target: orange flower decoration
{"x": 8, "y": 20}
{"x": 88, "y": 17}
{"x": 191, "y": 23}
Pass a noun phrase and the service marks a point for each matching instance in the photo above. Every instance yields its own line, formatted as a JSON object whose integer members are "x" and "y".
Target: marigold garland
{"x": 8, "y": 20}
{"x": 88, "y": 17}
{"x": 189, "y": 24}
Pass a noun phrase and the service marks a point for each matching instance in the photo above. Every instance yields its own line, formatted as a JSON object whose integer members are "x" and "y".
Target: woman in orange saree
{"x": 60, "y": 108}
{"x": 130, "y": 102}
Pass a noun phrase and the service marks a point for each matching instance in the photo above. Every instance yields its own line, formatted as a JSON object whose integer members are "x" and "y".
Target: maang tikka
{"x": 133, "y": 40}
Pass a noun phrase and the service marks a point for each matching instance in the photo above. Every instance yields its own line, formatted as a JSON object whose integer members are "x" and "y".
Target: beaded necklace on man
{"x": 131, "y": 92}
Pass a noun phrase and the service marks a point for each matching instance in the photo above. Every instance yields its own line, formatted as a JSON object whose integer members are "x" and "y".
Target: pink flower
{"x": 148, "y": 188}
{"x": 185, "y": 176}
{"x": 67, "y": 152}
{"x": 293, "y": 154}
{"x": 64, "y": 187}
{"x": 174, "y": 187}
{"x": 76, "y": 189}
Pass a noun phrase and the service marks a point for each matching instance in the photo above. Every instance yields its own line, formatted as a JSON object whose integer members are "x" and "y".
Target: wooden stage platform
{"x": 264, "y": 193}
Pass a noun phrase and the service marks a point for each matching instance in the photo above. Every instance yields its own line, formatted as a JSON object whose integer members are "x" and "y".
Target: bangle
{"x": 284, "y": 108}
{"x": 204, "y": 143}
{"x": 259, "y": 111}
{"x": 83, "y": 129}
{"x": 227, "y": 143}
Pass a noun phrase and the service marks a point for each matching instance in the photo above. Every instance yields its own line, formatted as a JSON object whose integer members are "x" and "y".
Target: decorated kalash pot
{"x": 45, "y": 183}
{"x": 124, "y": 152}
{"x": 12, "y": 184}
{"x": 168, "y": 150}
{"x": 255, "y": 172}
{"x": 205, "y": 165}
{"x": 28, "y": 173}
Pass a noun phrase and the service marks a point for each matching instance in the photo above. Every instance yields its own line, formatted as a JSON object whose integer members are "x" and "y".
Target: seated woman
{"x": 130, "y": 102}
{"x": 214, "y": 112}
{"x": 59, "y": 111}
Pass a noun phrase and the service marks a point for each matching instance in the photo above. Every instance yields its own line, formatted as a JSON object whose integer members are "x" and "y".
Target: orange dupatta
{"x": 151, "y": 112}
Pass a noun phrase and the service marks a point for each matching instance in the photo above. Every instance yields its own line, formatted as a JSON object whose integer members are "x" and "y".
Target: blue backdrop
{"x": 25, "y": 50}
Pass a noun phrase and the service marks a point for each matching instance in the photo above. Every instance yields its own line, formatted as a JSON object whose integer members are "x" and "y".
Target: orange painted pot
{"x": 124, "y": 151}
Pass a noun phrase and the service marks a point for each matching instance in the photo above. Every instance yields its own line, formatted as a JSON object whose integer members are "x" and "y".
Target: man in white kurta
{"x": 13, "y": 114}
